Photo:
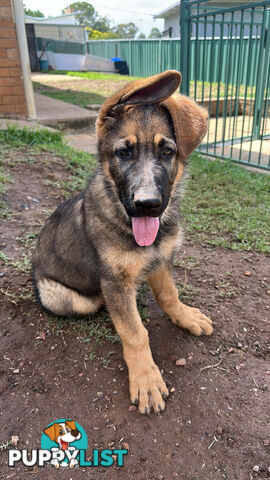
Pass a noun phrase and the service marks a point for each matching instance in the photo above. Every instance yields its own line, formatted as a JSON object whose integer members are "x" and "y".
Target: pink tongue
{"x": 145, "y": 230}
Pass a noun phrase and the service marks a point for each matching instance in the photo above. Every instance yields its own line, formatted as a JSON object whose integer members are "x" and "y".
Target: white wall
{"x": 66, "y": 61}
{"x": 173, "y": 22}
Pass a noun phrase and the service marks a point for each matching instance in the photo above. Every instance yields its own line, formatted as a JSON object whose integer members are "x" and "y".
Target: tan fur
{"x": 190, "y": 123}
{"x": 144, "y": 375}
{"x": 179, "y": 174}
{"x": 78, "y": 212}
{"x": 169, "y": 245}
{"x": 125, "y": 95}
{"x": 158, "y": 138}
{"x": 126, "y": 264}
{"x": 55, "y": 297}
{"x": 166, "y": 295}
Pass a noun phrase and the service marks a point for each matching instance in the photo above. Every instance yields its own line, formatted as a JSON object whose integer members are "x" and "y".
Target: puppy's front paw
{"x": 194, "y": 320}
{"x": 147, "y": 388}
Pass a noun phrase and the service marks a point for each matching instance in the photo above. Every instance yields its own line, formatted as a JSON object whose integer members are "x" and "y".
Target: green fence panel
{"x": 148, "y": 57}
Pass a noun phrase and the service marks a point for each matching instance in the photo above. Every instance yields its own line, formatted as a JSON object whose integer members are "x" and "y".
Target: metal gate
{"x": 235, "y": 94}
{"x": 32, "y": 48}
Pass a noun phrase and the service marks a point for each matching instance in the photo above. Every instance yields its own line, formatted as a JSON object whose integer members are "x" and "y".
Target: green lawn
{"x": 95, "y": 75}
{"x": 227, "y": 205}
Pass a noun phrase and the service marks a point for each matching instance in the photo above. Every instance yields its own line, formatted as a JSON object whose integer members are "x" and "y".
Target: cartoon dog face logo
{"x": 63, "y": 433}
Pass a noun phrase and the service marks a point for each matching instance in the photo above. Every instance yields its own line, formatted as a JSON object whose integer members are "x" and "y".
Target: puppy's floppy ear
{"x": 51, "y": 432}
{"x": 71, "y": 424}
{"x": 145, "y": 91}
{"x": 190, "y": 123}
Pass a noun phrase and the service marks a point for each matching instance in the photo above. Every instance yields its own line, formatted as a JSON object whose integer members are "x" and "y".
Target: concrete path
{"x": 64, "y": 115}
{"x": 83, "y": 141}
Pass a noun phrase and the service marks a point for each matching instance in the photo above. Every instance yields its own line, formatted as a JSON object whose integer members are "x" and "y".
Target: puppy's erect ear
{"x": 71, "y": 424}
{"x": 145, "y": 91}
{"x": 51, "y": 432}
{"x": 190, "y": 123}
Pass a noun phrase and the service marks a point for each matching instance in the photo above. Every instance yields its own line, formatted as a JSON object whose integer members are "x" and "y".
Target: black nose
{"x": 148, "y": 203}
{"x": 75, "y": 433}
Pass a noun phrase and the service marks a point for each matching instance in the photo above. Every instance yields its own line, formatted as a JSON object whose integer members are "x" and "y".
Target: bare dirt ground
{"x": 216, "y": 424}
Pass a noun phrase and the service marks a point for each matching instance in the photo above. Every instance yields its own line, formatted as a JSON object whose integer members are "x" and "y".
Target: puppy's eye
{"x": 167, "y": 151}
{"x": 123, "y": 152}
{"x": 61, "y": 431}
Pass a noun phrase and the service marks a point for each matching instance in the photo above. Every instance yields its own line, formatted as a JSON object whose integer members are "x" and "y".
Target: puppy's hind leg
{"x": 62, "y": 300}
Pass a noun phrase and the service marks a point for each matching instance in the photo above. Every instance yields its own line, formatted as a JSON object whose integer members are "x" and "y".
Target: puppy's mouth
{"x": 64, "y": 444}
{"x": 145, "y": 230}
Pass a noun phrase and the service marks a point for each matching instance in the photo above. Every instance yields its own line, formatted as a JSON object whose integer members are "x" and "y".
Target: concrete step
{"x": 63, "y": 115}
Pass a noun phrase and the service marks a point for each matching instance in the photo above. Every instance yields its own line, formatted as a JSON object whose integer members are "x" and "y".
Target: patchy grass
{"x": 186, "y": 291}
{"x": 227, "y": 205}
{"x": 80, "y": 98}
{"x": 23, "y": 264}
{"x": 98, "y": 326}
{"x": 80, "y": 164}
{"x": 5, "y": 179}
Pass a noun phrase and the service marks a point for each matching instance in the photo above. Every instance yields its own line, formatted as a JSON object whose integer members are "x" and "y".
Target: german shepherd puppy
{"x": 123, "y": 229}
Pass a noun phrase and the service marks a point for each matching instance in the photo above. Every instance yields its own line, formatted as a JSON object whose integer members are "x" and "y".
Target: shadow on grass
{"x": 76, "y": 97}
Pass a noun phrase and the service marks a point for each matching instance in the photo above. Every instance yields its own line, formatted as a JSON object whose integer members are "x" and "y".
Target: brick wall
{"x": 12, "y": 99}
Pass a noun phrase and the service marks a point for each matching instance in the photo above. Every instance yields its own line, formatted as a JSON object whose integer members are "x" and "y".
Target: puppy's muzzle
{"x": 148, "y": 205}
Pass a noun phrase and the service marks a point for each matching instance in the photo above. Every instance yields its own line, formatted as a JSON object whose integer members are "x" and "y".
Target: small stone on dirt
{"x": 125, "y": 445}
{"x": 132, "y": 408}
{"x": 219, "y": 430}
{"x": 247, "y": 273}
{"x": 181, "y": 362}
{"x": 266, "y": 442}
{"x": 14, "y": 440}
{"x": 256, "y": 468}
{"x": 16, "y": 370}
{"x": 160, "y": 477}
{"x": 172, "y": 390}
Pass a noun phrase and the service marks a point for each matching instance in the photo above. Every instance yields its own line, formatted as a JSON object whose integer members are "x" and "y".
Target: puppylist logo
{"x": 63, "y": 445}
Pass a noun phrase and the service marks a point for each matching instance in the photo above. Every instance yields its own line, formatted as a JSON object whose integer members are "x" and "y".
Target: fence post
{"x": 184, "y": 46}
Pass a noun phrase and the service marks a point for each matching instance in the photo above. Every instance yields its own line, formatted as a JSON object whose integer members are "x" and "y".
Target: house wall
{"x": 174, "y": 20}
{"x": 12, "y": 98}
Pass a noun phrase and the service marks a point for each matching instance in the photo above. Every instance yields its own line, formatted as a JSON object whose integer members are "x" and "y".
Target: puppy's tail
{"x": 61, "y": 300}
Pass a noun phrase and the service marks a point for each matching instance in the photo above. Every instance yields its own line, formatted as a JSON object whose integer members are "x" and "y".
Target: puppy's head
{"x": 145, "y": 136}
{"x": 63, "y": 433}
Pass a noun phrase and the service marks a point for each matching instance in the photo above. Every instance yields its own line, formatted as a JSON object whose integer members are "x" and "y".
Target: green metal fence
{"x": 238, "y": 66}
{"x": 148, "y": 57}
